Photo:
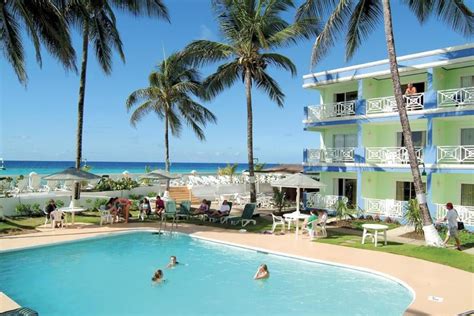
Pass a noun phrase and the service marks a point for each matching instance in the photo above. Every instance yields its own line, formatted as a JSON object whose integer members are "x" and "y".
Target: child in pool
{"x": 262, "y": 272}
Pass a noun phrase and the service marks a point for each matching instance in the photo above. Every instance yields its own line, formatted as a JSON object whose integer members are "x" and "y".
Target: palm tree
{"x": 43, "y": 23}
{"x": 97, "y": 24}
{"x": 170, "y": 96}
{"x": 361, "y": 17}
{"x": 251, "y": 30}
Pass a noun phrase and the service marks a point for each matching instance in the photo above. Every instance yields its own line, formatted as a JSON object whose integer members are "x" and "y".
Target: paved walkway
{"x": 454, "y": 287}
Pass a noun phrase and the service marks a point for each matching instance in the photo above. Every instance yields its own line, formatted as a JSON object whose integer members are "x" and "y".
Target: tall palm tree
{"x": 361, "y": 18}
{"x": 43, "y": 23}
{"x": 97, "y": 24}
{"x": 170, "y": 96}
{"x": 252, "y": 29}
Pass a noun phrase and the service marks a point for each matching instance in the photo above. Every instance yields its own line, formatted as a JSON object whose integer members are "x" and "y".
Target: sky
{"x": 39, "y": 122}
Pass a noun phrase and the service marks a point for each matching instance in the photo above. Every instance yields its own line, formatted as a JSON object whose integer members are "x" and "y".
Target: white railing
{"x": 413, "y": 102}
{"x": 329, "y": 155}
{"x": 465, "y": 212}
{"x": 456, "y": 97}
{"x": 317, "y": 200}
{"x": 385, "y": 207}
{"x": 328, "y": 110}
{"x": 391, "y": 155}
{"x": 455, "y": 154}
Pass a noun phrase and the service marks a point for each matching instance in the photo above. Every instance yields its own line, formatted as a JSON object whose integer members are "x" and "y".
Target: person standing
{"x": 452, "y": 222}
{"x": 51, "y": 207}
{"x": 410, "y": 89}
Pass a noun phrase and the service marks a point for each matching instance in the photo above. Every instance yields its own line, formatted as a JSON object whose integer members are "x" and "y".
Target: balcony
{"x": 385, "y": 207}
{"x": 317, "y": 200}
{"x": 391, "y": 155}
{"x": 455, "y": 154}
{"x": 413, "y": 102}
{"x": 330, "y": 155}
{"x": 465, "y": 212}
{"x": 330, "y": 110}
{"x": 456, "y": 97}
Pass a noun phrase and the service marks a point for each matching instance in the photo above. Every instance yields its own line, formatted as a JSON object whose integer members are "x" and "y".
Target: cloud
{"x": 206, "y": 33}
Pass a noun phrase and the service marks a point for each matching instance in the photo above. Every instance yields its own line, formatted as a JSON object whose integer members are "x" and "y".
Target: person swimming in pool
{"x": 262, "y": 272}
{"x": 158, "y": 276}
{"x": 173, "y": 262}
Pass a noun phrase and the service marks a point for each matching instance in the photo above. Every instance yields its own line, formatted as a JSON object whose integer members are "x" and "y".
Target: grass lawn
{"x": 449, "y": 257}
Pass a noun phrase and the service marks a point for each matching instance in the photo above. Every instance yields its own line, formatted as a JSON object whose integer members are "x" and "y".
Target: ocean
{"x": 15, "y": 167}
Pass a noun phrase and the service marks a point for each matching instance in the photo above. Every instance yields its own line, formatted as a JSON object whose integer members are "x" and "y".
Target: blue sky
{"x": 39, "y": 122}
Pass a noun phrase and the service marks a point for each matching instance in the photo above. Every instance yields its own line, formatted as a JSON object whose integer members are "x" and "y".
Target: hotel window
{"x": 467, "y": 194}
{"x": 418, "y": 138}
{"x": 345, "y": 140}
{"x": 467, "y": 81}
{"x": 420, "y": 87}
{"x": 406, "y": 191}
{"x": 345, "y": 96}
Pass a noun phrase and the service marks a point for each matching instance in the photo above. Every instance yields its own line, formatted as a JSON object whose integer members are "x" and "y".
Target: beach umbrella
{"x": 159, "y": 175}
{"x": 298, "y": 181}
{"x": 72, "y": 174}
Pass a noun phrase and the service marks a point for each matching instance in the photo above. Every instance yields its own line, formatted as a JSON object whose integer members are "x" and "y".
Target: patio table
{"x": 71, "y": 210}
{"x": 376, "y": 228}
{"x": 296, "y": 217}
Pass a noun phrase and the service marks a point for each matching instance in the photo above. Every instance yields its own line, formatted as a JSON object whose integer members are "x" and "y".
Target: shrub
{"x": 388, "y": 220}
{"x": 29, "y": 210}
{"x": 107, "y": 184}
{"x": 377, "y": 218}
{"x": 59, "y": 203}
{"x": 343, "y": 211}
{"x": 135, "y": 196}
{"x": 413, "y": 216}
{"x": 369, "y": 218}
{"x": 279, "y": 199}
{"x": 151, "y": 194}
{"x": 98, "y": 203}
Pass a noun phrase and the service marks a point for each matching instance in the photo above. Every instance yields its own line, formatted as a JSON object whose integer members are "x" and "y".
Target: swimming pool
{"x": 112, "y": 276}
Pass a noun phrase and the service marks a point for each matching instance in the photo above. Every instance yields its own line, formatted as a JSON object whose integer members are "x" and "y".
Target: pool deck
{"x": 454, "y": 287}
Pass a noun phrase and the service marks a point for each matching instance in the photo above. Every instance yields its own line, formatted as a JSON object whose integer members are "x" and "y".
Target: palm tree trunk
{"x": 167, "y": 151}
{"x": 248, "y": 90}
{"x": 80, "y": 105}
{"x": 431, "y": 235}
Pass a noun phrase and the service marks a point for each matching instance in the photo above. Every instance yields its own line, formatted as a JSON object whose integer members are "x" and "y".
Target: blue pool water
{"x": 112, "y": 276}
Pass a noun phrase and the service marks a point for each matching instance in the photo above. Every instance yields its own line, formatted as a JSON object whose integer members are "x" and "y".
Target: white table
{"x": 378, "y": 230}
{"x": 295, "y": 216}
{"x": 72, "y": 210}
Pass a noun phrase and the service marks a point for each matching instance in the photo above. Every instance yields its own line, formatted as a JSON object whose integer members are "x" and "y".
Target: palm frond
{"x": 203, "y": 52}
{"x": 271, "y": 87}
{"x": 152, "y": 8}
{"x": 456, "y": 15}
{"x": 364, "y": 19}
{"x": 140, "y": 112}
{"x": 302, "y": 29}
{"x": 332, "y": 28}
{"x": 280, "y": 61}
{"x": 421, "y": 9}
{"x": 315, "y": 8}
{"x": 224, "y": 77}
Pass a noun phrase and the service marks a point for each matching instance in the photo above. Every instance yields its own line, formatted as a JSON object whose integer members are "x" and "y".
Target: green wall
{"x": 327, "y": 178}
{"x": 382, "y": 185}
{"x": 447, "y": 131}
{"x": 327, "y": 92}
{"x": 447, "y": 187}
{"x": 328, "y": 134}
{"x": 378, "y": 88}
{"x": 385, "y": 135}
{"x": 451, "y": 78}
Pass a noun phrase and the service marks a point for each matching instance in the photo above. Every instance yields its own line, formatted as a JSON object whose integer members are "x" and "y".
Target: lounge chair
{"x": 105, "y": 215}
{"x": 317, "y": 224}
{"x": 170, "y": 211}
{"x": 246, "y": 217}
{"x": 57, "y": 217}
{"x": 184, "y": 210}
{"x": 221, "y": 218}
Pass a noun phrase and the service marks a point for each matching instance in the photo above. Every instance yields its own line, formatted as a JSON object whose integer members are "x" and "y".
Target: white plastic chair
{"x": 278, "y": 220}
{"x": 105, "y": 215}
{"x": 57, "y": 217}
{"x": 318, "y": 224}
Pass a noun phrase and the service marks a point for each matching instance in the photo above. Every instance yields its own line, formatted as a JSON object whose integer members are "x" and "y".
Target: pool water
{"x": 112, "y": 276}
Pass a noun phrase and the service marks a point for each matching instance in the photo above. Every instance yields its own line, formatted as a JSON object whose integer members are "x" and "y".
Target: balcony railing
{"x": 329, "y": 110}
{"x": 317, "y": 200}
{"x": 391, "y": 155}
{"x": 329, "y": 155}
{"x": 465, "y": 212}
{"x": 456, "y": 97}
{"x": 413, "y": 102}
{"x": 385, "y": 207}
{"x": 455, "y": 154}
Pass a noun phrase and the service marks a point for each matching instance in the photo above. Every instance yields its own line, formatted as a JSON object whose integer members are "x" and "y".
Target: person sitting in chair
{"x": 51, "y": 207}
{"x": 203, "y": 208}
{"x": 111, "y": 206}
{"x": 159, "y": 206}
{"x": 223, "y": 211}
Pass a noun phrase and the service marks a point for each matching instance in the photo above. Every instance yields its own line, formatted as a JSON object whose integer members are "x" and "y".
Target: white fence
{"x": 413, "y": 102}
{"x": 392, "y": 155}
{"x": 328, "y": 110}
{"x": 465, "y": 212}
{"x": 456, "y": 97}
{"x": 329, "y": 155}
{"x": 455, "y": 154}
{"x": 317, "y": 200}
{"x": 384, "y": 207}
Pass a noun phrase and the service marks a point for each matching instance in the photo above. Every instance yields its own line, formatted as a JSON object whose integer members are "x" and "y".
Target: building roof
{"x": 424, "y": 60}
{"x": 284, "y": 168}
